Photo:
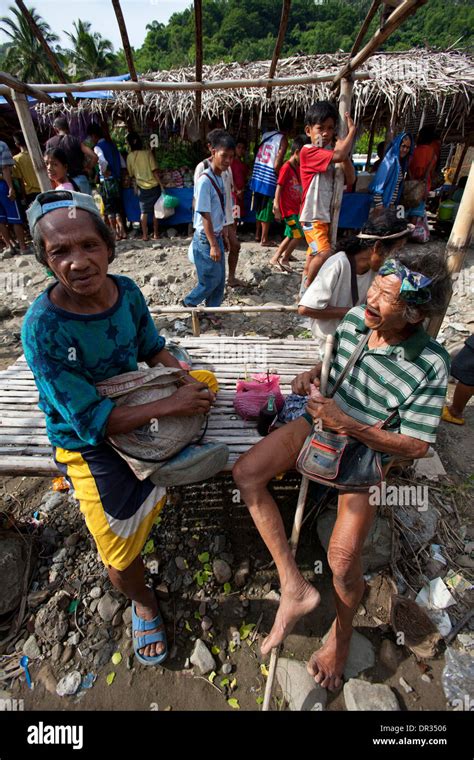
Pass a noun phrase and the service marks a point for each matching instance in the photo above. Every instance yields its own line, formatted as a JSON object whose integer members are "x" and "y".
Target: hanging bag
{"x": 337, "y": 460}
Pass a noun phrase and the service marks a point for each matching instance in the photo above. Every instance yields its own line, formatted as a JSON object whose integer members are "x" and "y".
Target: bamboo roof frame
{"x": 400, "y": 83}
{"x": 188, "y": 93}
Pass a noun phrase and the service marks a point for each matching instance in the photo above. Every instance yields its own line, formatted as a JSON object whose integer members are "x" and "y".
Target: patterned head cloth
{"x": 415, "y": 286}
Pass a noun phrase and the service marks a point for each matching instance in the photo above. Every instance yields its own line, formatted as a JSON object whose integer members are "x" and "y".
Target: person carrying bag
{"x": 337, "y": 460}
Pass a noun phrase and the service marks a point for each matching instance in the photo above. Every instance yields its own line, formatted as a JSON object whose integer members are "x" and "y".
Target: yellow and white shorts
{"x": 119, "y": 509}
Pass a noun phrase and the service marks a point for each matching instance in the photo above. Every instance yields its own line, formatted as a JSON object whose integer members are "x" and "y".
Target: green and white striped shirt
{"x": 410, "y": 378}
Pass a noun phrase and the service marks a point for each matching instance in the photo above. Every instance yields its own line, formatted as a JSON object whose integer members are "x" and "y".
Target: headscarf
{"x": 386, "y": 179}
{"x": 414, "y": 288}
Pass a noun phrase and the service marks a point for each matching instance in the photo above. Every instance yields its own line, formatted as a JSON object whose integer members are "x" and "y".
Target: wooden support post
{"x": 344, "y": 105}
{"x": 370, "y": 145}
{"x": 199, "y": 56}
{"x": 195, "y": 323}
{"x": 285, "y": 14}
{"x": 31, "y": 138}
{"x": 38, "y": 34}
{"x": 460, "y": 163}
{"x": 126, "y": 45}
{"x": 458, "y": 242}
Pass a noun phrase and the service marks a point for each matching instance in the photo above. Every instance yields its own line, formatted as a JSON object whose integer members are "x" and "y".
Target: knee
{"x": 245, "y": 474}
{"x": 345, "y": 564}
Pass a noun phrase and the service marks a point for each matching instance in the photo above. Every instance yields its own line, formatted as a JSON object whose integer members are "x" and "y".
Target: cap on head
{"x": 53, "y": 199}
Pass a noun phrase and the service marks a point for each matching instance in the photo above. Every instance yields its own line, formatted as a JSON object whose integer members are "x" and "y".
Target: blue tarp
{"x": 95, "y": 94}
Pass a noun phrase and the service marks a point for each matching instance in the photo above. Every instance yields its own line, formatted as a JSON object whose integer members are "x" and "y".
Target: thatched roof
{"x": 400, "y": 85}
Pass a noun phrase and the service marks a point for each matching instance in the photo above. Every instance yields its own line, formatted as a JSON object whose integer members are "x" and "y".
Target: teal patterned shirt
{"x": 69, "y": 353}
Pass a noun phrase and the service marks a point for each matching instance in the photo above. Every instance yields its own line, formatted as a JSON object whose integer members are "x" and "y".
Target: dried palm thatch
{"x": 400, "y": 84}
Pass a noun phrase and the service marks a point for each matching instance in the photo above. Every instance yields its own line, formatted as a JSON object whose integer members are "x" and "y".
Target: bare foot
{"x": 148, "y": 613}
{"x": 236, "y": 283}
{"x": 326, "y": 665}
{"x": 269, "y": 244}
{"x": 293, "y": 606}
{"x": 145, "y": 239}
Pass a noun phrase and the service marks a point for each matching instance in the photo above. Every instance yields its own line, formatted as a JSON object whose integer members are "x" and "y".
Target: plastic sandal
{"x": 448, "y": 417}
{"x": 139, "y": 642}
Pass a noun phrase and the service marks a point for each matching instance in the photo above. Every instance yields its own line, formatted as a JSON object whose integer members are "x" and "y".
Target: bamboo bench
{"x": 24, "y": 446}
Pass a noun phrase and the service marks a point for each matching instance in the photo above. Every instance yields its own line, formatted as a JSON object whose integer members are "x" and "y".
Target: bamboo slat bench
{"x": 24, "y": 446}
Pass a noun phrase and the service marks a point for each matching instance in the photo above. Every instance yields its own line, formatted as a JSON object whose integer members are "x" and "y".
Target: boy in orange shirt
{"x": 317, "y": 167}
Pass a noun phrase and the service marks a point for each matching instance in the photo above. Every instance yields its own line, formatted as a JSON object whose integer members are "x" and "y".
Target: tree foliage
{"x": 233, "y": 30}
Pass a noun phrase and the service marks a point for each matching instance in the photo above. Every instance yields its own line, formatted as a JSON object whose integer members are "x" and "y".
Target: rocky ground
{"x": 217, "y": 586}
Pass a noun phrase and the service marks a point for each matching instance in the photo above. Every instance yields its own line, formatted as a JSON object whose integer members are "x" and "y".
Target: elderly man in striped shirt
{"x": 401, "y": 372}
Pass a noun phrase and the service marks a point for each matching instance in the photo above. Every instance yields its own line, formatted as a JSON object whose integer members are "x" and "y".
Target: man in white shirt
{"x": 336, "y": 289}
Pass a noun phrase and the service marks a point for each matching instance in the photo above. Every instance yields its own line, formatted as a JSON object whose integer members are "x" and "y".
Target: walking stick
{"x": 295, "y": 533}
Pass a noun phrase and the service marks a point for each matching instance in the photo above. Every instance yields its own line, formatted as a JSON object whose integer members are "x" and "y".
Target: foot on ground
{"x": 148, "y": 613}
{"x": 326, "y": 665}
{"x": 292, "y": 608}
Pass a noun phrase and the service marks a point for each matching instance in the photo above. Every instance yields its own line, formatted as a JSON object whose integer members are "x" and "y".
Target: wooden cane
{"x": 297, "y": 522}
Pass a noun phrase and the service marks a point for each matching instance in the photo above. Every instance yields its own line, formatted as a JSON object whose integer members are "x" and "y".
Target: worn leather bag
{"x": 337, "y": 460}
{"x": 156, "y": 442}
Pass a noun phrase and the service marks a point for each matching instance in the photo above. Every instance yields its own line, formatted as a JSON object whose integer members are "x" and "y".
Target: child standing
{"x": 209, "y": 222}
{"x": 240, "y": 173}
{"x": 56, "y": 166}
{"x": 286, "y": 205}
{"x": 317, "y": 178}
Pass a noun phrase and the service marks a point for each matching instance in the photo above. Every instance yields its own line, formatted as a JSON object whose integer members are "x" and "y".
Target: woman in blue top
{"x": 387, "y": 185}
{"x": 86, "y": 327}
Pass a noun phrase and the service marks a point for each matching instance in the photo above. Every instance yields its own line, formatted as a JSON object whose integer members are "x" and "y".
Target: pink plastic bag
{"x": 252, "y": 395}
{"x": 421, "y": 233}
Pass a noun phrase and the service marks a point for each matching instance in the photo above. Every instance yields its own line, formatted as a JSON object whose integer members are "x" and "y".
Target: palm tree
{"x": 92, "y": 55}
{"x": 25, "y": 57}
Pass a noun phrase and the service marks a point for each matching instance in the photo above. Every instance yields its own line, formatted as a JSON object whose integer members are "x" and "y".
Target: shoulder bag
{"x": 337, "y": 460}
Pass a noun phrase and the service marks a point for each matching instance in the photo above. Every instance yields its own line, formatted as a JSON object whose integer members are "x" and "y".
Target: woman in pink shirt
{"x": 56, "y": 166}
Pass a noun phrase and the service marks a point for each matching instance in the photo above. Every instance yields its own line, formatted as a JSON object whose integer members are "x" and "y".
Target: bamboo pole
{"x": 126, "y": 45}
{"x": 31, "y": 138}
{"x": 460, "y": 163}
{"x": 399, "y": 15}
{"x": 221, "y": 309}
{"x": 363, "y": 30}
{"x": 370, "y": 146}
{"x": 14, "y": 84}
{"x": 225, "y": 84}
{"x": 458, "y": 242}
{"x": 285, "y": 14}
{"x": 48, "y": 52}
{"x": 199, "y": 56}
{"x": 344, "y": 107}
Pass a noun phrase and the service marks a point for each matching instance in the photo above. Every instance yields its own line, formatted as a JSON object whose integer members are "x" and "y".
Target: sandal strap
{"x": 151, "y": 638}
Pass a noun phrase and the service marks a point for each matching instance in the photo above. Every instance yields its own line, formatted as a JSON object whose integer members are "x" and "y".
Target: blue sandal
{"x": 139, "y": 642}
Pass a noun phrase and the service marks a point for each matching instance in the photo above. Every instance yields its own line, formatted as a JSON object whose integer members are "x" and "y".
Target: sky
{"x": 137, "y": 14}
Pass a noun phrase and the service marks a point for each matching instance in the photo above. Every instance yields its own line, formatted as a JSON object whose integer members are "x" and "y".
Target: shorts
{"x": 119, "y": 509}
{"x": 147, "y": 198}
{"x": 263, "y": 205}
{"x": 293, "y": 228}
{"x": 317, "y": 237}
{"x": 9, "y": 210}
{"x": 110, "y": 193}
{"x": 462, "y": 367}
